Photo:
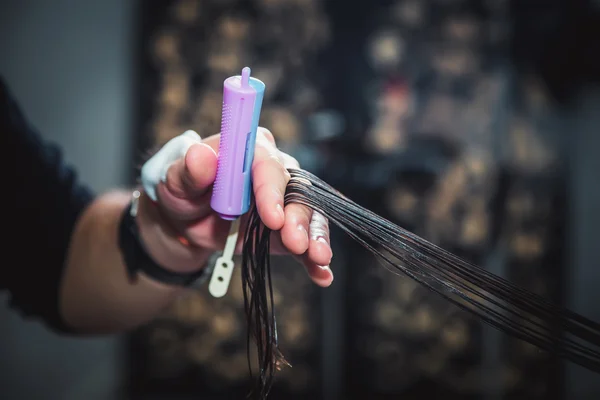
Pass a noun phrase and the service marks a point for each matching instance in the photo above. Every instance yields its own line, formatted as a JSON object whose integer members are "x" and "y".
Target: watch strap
{"x": 138, "y": 260}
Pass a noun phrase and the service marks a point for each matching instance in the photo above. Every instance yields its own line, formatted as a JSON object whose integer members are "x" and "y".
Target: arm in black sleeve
{"x": 44, "y": 201}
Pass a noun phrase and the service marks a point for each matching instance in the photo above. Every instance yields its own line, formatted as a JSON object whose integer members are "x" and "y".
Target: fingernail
{"x": 302, "y": 229}
{"x": 279, "y": 210}
{"x": 326, "y": 268}
{"x": 163, "y": 173}
{"x": 321, "y": 239}
{"x": 318, "y": 227}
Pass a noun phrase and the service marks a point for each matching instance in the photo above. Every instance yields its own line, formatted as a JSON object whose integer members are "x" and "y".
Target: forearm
{"x": 97, "y": 295}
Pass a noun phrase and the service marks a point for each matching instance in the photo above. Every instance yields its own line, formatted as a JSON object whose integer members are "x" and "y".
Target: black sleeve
{"x": 44, "y": 200}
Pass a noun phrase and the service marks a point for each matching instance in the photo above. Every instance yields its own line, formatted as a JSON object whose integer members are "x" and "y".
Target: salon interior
{"x": 472, "y": 124}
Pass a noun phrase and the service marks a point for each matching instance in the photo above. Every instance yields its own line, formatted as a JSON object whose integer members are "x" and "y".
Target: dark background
{"x": 95, "y": 59}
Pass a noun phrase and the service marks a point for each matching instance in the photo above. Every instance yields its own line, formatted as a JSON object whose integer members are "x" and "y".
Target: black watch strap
{"x": 138, "y": 260}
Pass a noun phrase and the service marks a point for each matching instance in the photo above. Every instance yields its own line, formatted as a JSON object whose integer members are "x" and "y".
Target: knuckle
{"x": 264, "y": 149}
{"x": 269, "y": 160}
{"x": 266, "y": 134}
{"x": 289, "y": 161}
{"x": 265, "y": 189}
{"x": 306, "y": 214}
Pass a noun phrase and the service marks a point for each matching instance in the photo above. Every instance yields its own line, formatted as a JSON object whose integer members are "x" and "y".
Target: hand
{"x": 181, "y": 230}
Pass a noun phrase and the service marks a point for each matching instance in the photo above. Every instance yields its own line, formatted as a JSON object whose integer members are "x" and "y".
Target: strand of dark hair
{"x": 494, "y": 300}
{"x": 259, "y": 306}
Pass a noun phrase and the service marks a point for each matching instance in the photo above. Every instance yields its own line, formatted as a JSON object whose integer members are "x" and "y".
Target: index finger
{"x": 270, "y": 178}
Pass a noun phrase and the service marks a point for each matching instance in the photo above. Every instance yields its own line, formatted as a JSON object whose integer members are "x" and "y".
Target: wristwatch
{"x": 138, "y": 260}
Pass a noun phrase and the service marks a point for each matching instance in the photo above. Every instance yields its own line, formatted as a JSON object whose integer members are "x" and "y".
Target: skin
{"x": 96, "y": 295}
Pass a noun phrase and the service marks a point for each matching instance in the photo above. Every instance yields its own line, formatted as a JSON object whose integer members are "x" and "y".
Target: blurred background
{"x": 472, "y": 123}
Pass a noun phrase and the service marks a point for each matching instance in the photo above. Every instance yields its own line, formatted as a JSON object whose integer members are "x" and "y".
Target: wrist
{"x": 163, "y": 243}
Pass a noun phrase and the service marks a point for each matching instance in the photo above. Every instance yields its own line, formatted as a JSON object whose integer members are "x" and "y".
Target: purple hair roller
{"x": 242, "y": 103}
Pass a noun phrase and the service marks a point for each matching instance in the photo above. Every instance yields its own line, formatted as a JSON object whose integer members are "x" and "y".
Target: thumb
{"x": 155, "y": 169}
{"x": 180, "y": 176}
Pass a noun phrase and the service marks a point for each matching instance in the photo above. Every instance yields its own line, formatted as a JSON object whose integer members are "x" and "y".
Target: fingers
{"x": 320, "y": 275}
{"x": 270, "y": 179}
{"x": 185, "y": 193}
{"x": 297, "y": 219}
{"x": 306, "y": 231}
{"x": 317, "y": 258}
{"x": 306, "y": 235}
{"x": 213, "y": 142}
{"x": 303, "y": 233}
{"x": 294, "y": 234}
{"x": 191, "y": 176}
{"x": 265, "y": 134}
{"x": 319, "y": 249}
{"x": 289, "y": 161}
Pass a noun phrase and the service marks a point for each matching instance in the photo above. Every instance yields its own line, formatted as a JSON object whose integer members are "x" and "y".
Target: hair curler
{"x": 231, "y": 195}
{"x": 242, "y": 103}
